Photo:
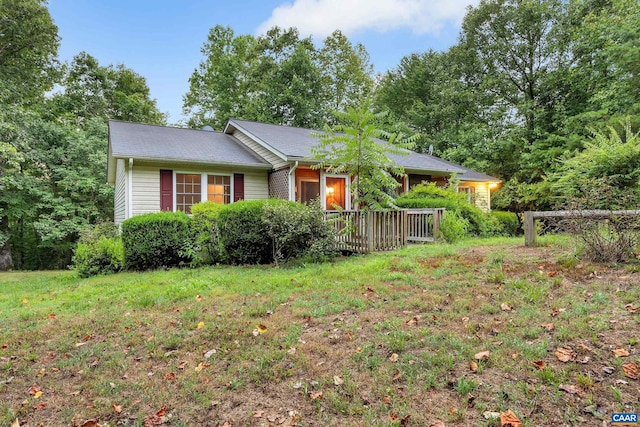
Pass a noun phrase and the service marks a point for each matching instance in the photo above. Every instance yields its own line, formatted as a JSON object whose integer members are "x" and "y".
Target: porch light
{"x": 493, "y": 185}
{"x": 330, "y": 191}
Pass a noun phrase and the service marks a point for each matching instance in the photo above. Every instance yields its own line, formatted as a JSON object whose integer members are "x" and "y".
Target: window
{"x": 335, "y": 192}
{"x": 470, "y": 192}
{"x": 188, "y": 191}
{"x": 219, "y": 189}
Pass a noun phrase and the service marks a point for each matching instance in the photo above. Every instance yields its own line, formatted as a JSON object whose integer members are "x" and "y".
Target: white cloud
{"x": 321, "y": 17}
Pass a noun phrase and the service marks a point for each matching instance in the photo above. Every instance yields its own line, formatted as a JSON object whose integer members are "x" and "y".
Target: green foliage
{"x": 102, "y": 256}
{"x": 265, "y": 231}
{"x": 162, "y": 239}
{"x": 242, "y": 233}
{"x": 506, "y": 223}
{"x": 204, "y": 222}
{"x": 354, "y": 148}
{"x": 605, "y": 175}
{"x": 431, "y": 196}
{"x": 453, "y": 227}
{"x": 298, "y": 231}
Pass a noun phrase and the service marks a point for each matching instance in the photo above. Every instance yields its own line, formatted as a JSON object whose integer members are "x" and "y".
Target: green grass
{"x": 398, "y": 329}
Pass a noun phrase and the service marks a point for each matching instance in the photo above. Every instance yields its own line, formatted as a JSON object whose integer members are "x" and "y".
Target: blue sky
{"x": 161, "y": 39}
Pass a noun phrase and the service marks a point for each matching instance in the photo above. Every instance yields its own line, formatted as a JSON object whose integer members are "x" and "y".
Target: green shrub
{"x": 508, "y": 223}
{"x": 453, "y": 227}
{"x": 298, "y": 231}
{"x": 431, "y": 196}
{"x": 104, "y": 256}
{"x": 264, "y": 231}
{"x": 162, "y": 239}
{"x": 242, "y": 233}
{"x": 204, "y": 223}
{"x": 102, "y": 229}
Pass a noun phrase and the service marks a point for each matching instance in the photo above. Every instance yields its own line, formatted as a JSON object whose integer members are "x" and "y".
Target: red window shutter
{"x": 238, "y": 186}
{"x": 166, "y": 190}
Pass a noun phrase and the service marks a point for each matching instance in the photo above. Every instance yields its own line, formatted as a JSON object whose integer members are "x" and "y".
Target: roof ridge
{"x": 163, "y": 126}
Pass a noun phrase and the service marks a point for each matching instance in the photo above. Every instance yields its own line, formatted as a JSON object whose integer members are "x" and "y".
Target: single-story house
{"x": 158, "y": 168}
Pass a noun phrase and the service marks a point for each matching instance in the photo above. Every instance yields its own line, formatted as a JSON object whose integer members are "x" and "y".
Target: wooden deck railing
{"x": 372, "y": 231}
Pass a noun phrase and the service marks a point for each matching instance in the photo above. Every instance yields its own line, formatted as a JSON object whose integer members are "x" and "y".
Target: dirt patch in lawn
{"x": 405, "y": 339}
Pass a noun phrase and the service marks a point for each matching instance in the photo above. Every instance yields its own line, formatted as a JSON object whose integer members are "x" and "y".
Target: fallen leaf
{"x": 52, "y": 316}
{"x": 565, "y": 354}
{"x": 405, "y": 420}
{"x": 488, "y": 415}
{"x": 337, "y": 380}
{"x": 80, "y": 344}
{"x": 509, "y": 419}
{"x": 506, "y": 307}
{"x": 548, "y": 326}
{"x": 397, "y": 375}
{"x": 538, "y": 364}
{"x": 413, "y": 321}
{"x": 210, "y": 353}
{"x": 34, "y": 389}
{"x": 315, "y": 395}
{"x": 585, "y": 347}
{"x": 170, "y": 376}
{"x": 117, "y": 408}
{"x": 37, "y": 395}
{"x": 630, "y": 370}
{"x": 24, "y": 300}
{"x": 571, "y": 389}
{"x": 437, "y": 424}
{"x": 386, "y": 400}
{"x": 15, "y": 423}
{"x": 200, "y": 325}
{"x": 258, "y": 414}
{"x": 620, "y": 352}
{"x": 482, "y": 355}
{"x": 182, "y": 364}
{"x": 156, "y": 419}
{"x": 200, "y": 367}
{"x": 552, "y": 273}
{"x": 394, "y": 357}
{"x": 393, "y": 416}
{"x": 261, "y": 328}
{"x": 473, "y": 366}
{"x": 90, "y": 423}
{"x": 291, "y": 351}
{"x": 198, "y": 298}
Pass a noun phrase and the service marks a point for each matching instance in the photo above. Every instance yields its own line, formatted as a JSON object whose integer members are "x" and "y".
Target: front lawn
{"x": 383, "y": 339}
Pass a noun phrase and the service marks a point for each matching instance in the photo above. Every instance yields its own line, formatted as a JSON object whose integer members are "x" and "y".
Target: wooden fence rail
{"x": 371, "y": 231}
{"x": 531, "y": 216}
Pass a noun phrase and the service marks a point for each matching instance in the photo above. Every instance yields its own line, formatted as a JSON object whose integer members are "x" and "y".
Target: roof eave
{"x": 265, "y": 166}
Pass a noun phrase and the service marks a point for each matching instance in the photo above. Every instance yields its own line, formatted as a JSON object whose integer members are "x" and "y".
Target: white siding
{"x": 146, "y": 189}
{"x": 482, "y": 194}
{"x": 146, "y": 184}
{"x": 120, "y": 195}
{"x": 276, "y": 161}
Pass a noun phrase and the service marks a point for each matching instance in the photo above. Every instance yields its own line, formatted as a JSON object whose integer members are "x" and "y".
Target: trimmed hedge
{"x": 265, "y": 231}
{"x": 162, "y": 239}
{"x": 204, "y": 224}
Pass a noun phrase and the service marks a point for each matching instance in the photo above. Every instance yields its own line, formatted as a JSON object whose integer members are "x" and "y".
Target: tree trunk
{"x": 6, "y": 262}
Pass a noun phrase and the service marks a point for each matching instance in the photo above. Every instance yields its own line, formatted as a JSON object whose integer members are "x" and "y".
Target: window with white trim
{"x": 219, "y": 188}
{"x": 188, "y": 191}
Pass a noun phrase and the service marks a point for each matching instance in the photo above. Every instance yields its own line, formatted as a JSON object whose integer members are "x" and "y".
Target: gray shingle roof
{"x": 296, "y": 143}
{"x": 151, "y": 142}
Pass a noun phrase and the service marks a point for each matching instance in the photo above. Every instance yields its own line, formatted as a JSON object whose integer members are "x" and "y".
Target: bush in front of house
{"x": 453, "y": 227}
{"x": 99, "y": 251}
{"x": 155, "y": 240}
{"x": 204, "y": 223}
{"x": 505, "y": 223}
{"x": 298, "y": 231}
{"x": 430, "y": 195}
{"x": 265, "y": 231}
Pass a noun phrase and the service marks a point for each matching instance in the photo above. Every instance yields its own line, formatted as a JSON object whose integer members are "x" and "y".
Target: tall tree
{"x": 346, "y": 72}
{"x": 354, "y": 147}
{"x": 28, "y": 48}
{"x": 112, "y": 92}
{"x": 218, "y": 88}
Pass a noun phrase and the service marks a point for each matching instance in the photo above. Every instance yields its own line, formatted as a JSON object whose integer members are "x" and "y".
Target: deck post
{"x": 529, "y": 229}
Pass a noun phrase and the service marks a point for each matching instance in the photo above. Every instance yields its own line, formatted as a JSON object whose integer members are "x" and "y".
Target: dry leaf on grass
{"x": 386, "y": 400}
{"x": 316, "y": 395}
{"x": 258, "y": 414}
{"x": 509, "y": 419}
{"x": 156, "y": 419}
{"x": 620, "y": 352}
{"x": 200, "y": 325}
{"x": 397, "y": 375}
{"x": 473, "y": 366}
{"x": 630, "y": 370}
{"x": 483, "y": 355}
{"x": 538, "y": 364}
{"x": 506, "y": 307}
{"x": 437, "y": 424}
{"x": 571, "y": 389}
{"x": 548, "y": 326}
{"x": 90, "y": 423}
{"x": 15, "y": 423}
{"x": 394, "y": 357}
{"x": 337, "y": 380}
{"x": 405, "y": 420}
{"x": 117, "y": 408}
{"x": 565, "y": 354}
